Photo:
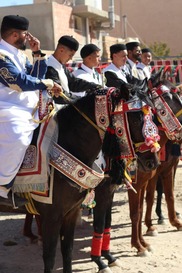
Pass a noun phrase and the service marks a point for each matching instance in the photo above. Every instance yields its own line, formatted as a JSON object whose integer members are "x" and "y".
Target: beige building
{"x": 103, "y": 22}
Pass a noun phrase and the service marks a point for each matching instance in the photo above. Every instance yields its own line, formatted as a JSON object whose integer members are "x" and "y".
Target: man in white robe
{"x": 57, "y": 70}
{"x": 144, "y": 67}
{"x": 115, "y": 73}
{"x": 19, "y": 85}
{"x": 90, "y": 55}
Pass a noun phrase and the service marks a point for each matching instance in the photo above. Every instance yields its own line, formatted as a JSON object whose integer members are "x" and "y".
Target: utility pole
{"x": 124, "y": 17}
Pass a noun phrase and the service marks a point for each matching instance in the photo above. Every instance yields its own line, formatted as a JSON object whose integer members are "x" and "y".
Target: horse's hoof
{"x": 115, "y": 263}
{"x": 105, "y": 270}
{"x": 144, "y": 253}
{"x": 150, "y": 249}
{"x": 161, "y": 222}
{"x": 180, "y": 229}
{"x": 152, "y": 232}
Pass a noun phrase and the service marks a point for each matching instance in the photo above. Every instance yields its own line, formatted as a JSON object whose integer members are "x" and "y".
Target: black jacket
{"x": 74, "y": 84}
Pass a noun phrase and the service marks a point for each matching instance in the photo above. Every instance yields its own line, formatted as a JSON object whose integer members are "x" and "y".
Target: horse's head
{"x": 147, "y": 157}
{"x": 131, "y": 128}
{"x": 167, "y": 105}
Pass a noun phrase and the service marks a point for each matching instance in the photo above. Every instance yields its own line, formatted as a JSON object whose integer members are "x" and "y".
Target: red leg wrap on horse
{"x": 106, "y": 239}
{"x": 96, "y": 244}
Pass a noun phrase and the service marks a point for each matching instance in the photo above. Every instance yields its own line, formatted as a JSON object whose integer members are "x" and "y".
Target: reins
{"x": 82, "y": 113}
{"x": 52, "y": 111}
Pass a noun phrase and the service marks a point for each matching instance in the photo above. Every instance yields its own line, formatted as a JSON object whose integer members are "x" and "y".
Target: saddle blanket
{"x": 34, "y": 173}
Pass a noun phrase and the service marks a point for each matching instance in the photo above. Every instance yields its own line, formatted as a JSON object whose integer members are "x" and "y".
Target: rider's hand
{"x": 33, "y": 42}
{"x": 56, "y": 90}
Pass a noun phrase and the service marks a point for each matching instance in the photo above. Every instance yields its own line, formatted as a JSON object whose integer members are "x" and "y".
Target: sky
{"x": 6, "y": 3}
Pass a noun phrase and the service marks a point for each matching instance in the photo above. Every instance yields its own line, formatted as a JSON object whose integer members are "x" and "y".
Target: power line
{"x": 127, "y": 22}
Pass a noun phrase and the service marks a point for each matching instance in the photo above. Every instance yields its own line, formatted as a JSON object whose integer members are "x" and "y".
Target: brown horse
{"x": 166, "y": 174}
{"x": 143, "y": 179}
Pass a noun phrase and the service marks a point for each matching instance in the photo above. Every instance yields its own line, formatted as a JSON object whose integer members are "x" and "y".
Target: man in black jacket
{"x": 115, "y": 74}
{"x": 57, "y": 71}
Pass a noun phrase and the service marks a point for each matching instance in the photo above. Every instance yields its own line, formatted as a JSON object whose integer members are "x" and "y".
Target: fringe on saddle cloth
{"x": 34, "y": 172}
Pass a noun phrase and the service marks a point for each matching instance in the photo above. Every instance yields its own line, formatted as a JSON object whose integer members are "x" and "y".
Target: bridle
{"x": 169, "y": 121}
{"x": 104, "y": 113}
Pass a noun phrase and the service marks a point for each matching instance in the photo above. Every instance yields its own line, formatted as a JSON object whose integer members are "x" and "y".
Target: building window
{"x": 78, "y": 23}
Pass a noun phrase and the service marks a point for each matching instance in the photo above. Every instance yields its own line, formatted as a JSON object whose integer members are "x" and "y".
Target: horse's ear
{"x": 157, "y": 77}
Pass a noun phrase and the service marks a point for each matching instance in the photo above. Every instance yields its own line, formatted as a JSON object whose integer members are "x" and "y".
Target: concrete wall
{"x": 159, "y": 21}
{"x": 152, "y": 21}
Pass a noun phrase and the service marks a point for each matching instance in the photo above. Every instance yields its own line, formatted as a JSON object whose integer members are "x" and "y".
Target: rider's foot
{"x": 13, "y": 200}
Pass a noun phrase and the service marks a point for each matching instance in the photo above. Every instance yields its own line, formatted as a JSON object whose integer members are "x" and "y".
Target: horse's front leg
{"x": 143, "y": 242}
{"x": 50, "y": 234}
{"x": 102, "y": 226}
{"x": 67, "y": 237}
{"x": 150, "y": 192}
{"x": 105, "y": 251}
{"x": 136, "y": 207}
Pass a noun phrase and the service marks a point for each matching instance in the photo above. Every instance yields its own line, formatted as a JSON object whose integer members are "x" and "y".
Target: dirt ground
{"x": 167, "y": 256}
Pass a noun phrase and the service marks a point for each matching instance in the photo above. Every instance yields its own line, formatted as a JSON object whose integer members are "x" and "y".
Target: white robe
{"x": 87, "y": 74}
{"x": 16, "y": 124}
{"x": 118, "y": 71}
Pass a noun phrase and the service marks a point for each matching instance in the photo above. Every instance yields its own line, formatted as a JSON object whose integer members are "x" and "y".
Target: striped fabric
{"x": 174, "y": 68}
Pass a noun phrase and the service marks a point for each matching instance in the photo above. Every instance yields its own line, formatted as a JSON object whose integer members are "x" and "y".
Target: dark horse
{"x": 81, "y": 138}
{"x": 102, "y": 212}
{"x": 104, "y": 194}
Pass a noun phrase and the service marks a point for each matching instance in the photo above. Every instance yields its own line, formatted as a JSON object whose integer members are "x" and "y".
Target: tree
{"x": 160, "y": 49}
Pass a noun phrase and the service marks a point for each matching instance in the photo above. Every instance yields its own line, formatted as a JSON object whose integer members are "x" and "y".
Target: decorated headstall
{"x": 115, "y": 122}
{"x": 166, "y": 116}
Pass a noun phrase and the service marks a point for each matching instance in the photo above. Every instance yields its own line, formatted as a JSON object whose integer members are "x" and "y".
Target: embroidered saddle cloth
{"x": 34, "y": 172}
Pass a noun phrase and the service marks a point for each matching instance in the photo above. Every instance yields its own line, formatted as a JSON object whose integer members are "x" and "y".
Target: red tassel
{"x": 106, "y": 239}
{"x": 96, "y": 244}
